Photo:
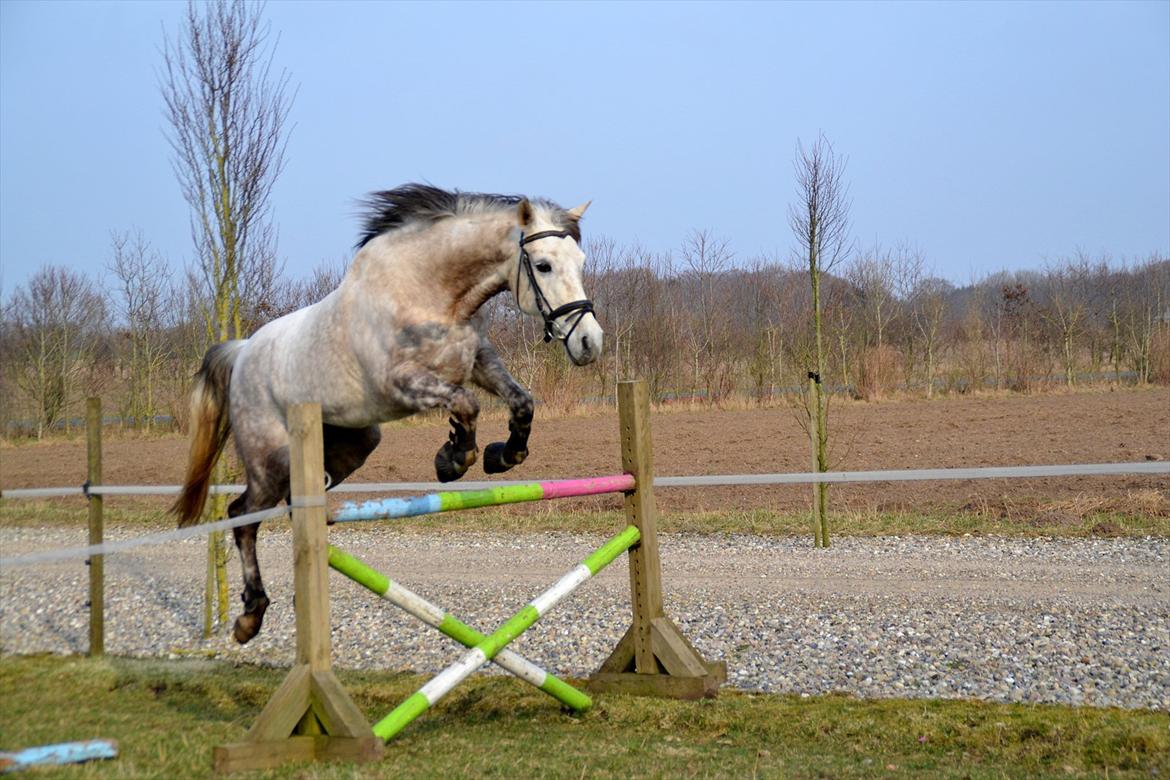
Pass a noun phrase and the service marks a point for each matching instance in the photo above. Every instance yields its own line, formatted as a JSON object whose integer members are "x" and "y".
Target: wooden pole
{"x": 310, "y": 548}
{"x": 812, "y": 441}
{"x": 310, "y": 717}
{"x": 93, "y": 447}
{"x": 645, "y": 566}
{"x": 653, "y": 658}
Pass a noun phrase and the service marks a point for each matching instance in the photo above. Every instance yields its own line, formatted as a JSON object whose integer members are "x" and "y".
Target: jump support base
{"x": 248, "y": 756}
{"x": 678, "y": 671}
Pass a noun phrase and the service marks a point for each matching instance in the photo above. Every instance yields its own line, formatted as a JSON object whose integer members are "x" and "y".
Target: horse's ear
{"x": 579, "y": 211}
{"x": 524, "y": 212}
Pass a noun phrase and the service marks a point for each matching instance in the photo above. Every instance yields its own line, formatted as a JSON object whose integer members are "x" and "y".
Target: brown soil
{"x": 1088, "y": 427}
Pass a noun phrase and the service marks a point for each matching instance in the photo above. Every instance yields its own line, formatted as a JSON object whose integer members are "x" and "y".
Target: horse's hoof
{"x": 246, "y": 627}
{"x": 248, "y": 624}
{"x": 451, "y": 465}
{"x": 496, "y": 459}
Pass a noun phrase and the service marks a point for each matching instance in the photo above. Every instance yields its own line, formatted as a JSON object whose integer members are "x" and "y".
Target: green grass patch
{"x": 151, "y": 514}
{"x": 167, "y": 715}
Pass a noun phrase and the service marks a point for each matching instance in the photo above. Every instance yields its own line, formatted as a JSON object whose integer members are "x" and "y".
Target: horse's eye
{"x": 543, "y": 266}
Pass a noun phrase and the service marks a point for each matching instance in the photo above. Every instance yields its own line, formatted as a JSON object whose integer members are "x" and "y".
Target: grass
{"x": 167, "y": 715}
{"x": 1141, "y": 514}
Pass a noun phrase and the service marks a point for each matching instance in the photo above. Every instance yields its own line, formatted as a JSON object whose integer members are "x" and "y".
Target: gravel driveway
{"x": 1083, "y": 621}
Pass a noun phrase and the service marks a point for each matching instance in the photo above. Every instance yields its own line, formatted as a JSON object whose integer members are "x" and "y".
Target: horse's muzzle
{"x": 584, "y": 346}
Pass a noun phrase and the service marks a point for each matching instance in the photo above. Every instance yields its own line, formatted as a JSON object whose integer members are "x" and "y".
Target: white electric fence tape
{"x": 993, "y": 472}
{"x": 797, "y": 478}
{"x": 49, "y": 556}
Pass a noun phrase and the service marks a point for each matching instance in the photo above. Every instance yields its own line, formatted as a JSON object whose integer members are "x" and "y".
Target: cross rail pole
{"x": 486, "y": 650}
{"x": 433, "y": 615}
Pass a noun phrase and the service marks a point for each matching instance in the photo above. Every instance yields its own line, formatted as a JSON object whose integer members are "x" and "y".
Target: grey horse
{"x": 395, "y": 338}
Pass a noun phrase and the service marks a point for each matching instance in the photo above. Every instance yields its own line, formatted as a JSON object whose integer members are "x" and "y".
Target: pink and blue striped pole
{"x": 448, "y": 501}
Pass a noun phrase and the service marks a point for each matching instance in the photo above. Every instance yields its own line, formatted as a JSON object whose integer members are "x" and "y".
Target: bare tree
{"x": 705, "y": 258}
{"x": 928, "y": 308}
{"x": 765, "y": 290}
{"x": 1067, "y": 311}
{"x": 56, "y": 320}
{"x": 874, "y": 275}
{"x": 1146, "y": 312}
{"x": 820, "y": 223}
{"x": 227, "y": 113}
{"x": 882, "y": 280}
{"x": 143, "y": 307}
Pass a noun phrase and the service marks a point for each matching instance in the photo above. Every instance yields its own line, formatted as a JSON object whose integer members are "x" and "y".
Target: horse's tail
{"x": 210, "y": 426}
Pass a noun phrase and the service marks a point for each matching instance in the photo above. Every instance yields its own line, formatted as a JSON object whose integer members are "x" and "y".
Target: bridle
{"x": 547, "y": 312}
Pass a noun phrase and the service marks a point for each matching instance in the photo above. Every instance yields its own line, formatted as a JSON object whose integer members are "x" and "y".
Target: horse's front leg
{"x": 490, "y": 374}
{"x": 421, "y": 391}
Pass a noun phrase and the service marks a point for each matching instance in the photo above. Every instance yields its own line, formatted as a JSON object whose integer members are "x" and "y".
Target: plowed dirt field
{"x": 1085, "y": 427}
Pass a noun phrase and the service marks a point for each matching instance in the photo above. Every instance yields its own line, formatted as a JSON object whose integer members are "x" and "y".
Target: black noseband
{"x": 547, "y": 312}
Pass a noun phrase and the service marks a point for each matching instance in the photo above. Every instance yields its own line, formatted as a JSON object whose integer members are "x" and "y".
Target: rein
{"x": 547, "y": 312}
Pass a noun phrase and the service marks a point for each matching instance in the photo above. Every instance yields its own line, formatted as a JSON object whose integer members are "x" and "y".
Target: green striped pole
{"x": 434, "y": 615}
{"x": 487, "y": 649}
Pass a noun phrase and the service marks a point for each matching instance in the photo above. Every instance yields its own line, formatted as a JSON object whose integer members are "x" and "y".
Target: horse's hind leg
{"x": 346, "y": 450}
{"x": 263, "y": 493}
{"x": 255, "y": 599}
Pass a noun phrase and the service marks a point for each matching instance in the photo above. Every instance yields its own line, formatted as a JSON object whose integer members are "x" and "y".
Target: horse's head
{"x": 547, "y": 279}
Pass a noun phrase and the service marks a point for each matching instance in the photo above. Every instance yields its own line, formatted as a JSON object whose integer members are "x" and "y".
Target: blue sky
{"x": 991, "y": 135}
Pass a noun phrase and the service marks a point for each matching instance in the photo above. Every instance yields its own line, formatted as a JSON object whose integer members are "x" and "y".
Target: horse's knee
{"x": 464, "y": 407}
{"x": 523, "y": 411}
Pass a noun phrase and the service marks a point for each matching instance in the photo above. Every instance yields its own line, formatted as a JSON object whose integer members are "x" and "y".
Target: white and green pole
{"x": 490, "y": 647}
{"x": 434, "y": 615}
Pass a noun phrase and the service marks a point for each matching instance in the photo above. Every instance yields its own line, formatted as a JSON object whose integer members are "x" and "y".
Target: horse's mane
{"x": 392, "y": 209}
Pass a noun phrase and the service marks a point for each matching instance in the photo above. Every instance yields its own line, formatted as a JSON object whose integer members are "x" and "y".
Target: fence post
{"x": 93, "y": 449}
{"x": 653, "y": 658}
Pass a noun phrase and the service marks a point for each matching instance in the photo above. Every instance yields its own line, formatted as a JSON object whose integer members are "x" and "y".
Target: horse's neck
{"x": 446, "y": 271}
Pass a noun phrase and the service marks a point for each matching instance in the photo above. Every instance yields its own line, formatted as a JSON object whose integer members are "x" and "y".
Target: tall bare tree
{"x": 227, "y": 113}
{"x": 820, "y": 222}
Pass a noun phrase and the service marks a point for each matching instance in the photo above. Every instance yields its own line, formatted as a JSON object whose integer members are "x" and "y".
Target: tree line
{"x": 700, "y": 324}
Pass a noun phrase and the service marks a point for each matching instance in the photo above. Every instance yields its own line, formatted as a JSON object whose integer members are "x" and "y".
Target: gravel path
{"x": 1082, "y": 621}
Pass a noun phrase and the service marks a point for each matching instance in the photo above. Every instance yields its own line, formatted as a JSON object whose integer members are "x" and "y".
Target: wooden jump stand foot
{"x": 310, "y": 717}
{"x": 653, "y": 658}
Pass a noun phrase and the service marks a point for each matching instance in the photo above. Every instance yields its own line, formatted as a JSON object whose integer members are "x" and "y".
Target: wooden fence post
{"x": 653, "y": 658}
{"x": 310, "y": 716}
{"x": 97, "y": 597}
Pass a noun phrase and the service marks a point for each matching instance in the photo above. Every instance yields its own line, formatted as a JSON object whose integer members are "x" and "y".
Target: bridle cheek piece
{"x": 547, "y": 312}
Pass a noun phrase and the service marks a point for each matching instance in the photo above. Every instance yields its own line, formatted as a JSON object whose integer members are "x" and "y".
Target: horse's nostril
{"x": 585, "y": 343}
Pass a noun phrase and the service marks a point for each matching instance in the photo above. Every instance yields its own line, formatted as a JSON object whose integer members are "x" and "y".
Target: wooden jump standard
{"x": 311, "y": 717}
